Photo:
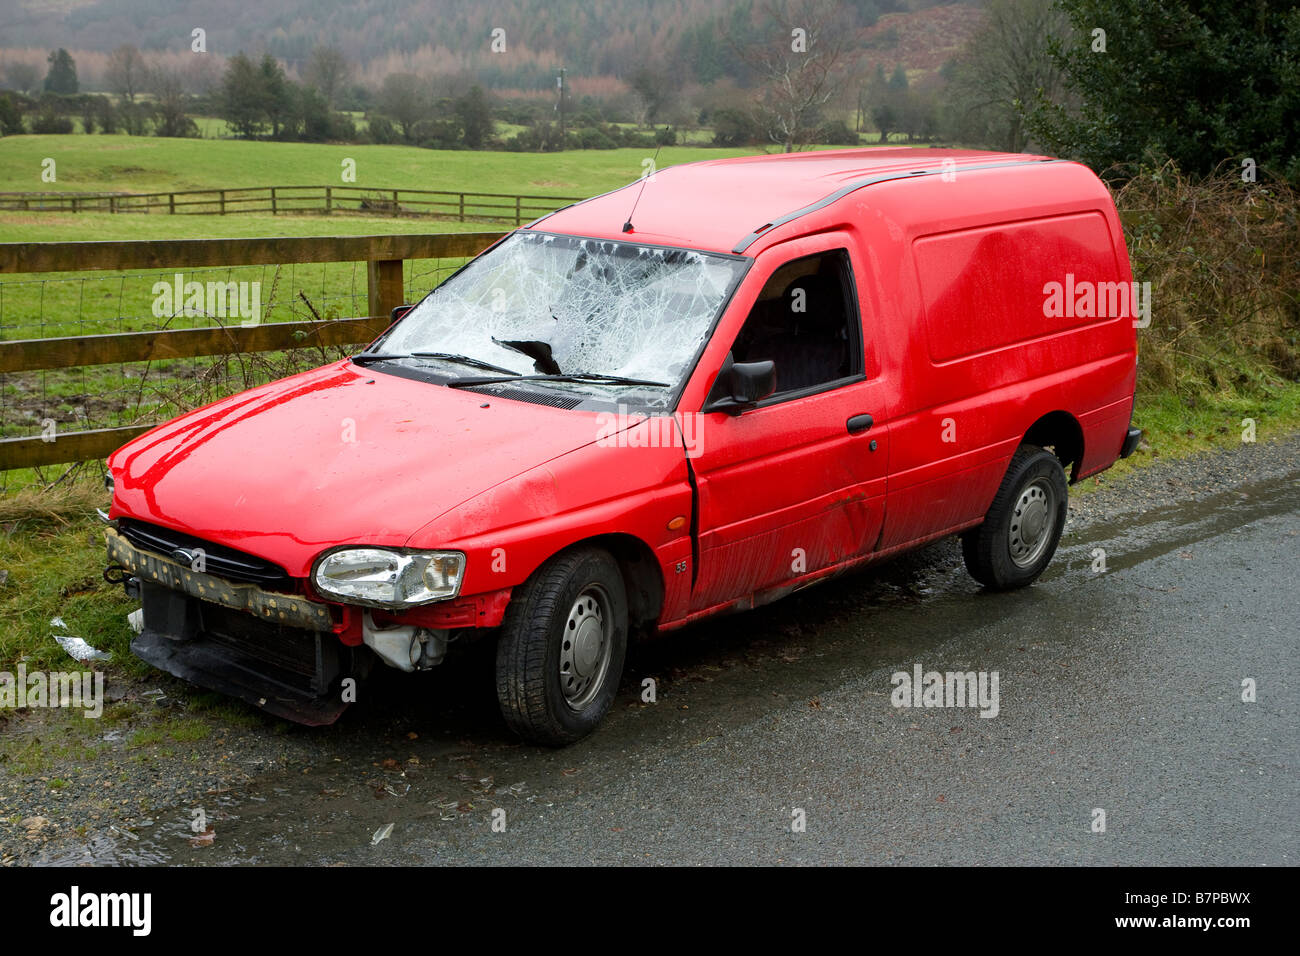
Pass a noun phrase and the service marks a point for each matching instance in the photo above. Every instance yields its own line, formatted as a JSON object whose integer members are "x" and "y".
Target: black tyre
{"x": 562, "y": 646}
{"x": 1023, "y": 525}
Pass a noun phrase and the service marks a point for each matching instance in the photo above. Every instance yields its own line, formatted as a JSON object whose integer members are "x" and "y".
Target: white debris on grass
{"x": 79, "y": 650}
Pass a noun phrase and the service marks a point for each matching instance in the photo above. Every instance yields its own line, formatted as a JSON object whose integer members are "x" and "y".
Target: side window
{"x": 806, "y": 321}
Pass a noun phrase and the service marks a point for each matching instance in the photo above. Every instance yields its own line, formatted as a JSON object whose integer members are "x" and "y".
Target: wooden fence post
{"x": 384, "y": 286}
{"x": 274, "y": 207}
{"x": 329, "y": 199}
{"x": 171, "y": 203}
{"x": 518, "y": 216}
{"x": 223, "y": 202}
{"x": 462, "y": 207}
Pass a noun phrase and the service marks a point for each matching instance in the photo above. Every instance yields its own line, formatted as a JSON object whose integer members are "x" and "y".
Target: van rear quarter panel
{"x": 960, "y": 271}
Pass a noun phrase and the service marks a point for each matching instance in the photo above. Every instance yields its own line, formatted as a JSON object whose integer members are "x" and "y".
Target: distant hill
{"x": 692, "y": 38}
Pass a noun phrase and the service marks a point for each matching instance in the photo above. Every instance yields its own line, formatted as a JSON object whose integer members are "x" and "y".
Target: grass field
{"x": 153, "y": 164}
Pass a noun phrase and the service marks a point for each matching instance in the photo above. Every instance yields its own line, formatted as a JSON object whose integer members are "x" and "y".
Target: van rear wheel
{"x": 1023, "y": 525}
{"x": 562, "y": 646}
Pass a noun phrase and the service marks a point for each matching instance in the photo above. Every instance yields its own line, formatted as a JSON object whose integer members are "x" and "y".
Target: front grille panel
{"x": 220, "y": 560}
{"x": 287, "y": 649}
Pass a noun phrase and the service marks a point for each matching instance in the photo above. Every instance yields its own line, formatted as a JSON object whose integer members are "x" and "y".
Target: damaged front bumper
{"x": 276, "y": 651}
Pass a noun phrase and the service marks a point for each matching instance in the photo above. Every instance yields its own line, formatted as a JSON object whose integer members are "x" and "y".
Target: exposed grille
{"x": 287, "y": 649}
{"x": 220, "y": 560}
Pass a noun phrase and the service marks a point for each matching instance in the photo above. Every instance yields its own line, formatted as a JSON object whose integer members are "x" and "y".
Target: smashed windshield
{"x": 559, "y": 305}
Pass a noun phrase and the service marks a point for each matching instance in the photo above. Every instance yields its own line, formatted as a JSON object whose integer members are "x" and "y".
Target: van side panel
{"x": 982, "y": 289}
{"x": 989, "y": 342}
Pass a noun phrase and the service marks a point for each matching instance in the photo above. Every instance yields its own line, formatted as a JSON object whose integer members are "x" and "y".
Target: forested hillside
{"x": 697, "y": 39}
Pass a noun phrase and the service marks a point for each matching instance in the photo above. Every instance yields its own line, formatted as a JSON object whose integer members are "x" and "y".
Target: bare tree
{"x": 170, "y": 105}
{"x": 22, "y": 76}
{"x": 404, "y": 98}
{"x": 805, "y": 64}
{"x": 126, "y": 71}
{"x": 654, "y": 92}
{"x": 1004, "y": 68}
{"x": 327, "y": 70}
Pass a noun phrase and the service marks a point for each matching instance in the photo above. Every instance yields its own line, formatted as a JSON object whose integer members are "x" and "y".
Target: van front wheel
{"x": 561, "y": 650}
{"x": 1023, "y": 525}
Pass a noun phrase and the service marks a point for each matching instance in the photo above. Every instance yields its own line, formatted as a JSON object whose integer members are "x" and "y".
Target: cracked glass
{"x": 548, "y": 304}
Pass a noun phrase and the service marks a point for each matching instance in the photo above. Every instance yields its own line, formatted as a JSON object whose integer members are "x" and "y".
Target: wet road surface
{"x": 1118, "y": 690}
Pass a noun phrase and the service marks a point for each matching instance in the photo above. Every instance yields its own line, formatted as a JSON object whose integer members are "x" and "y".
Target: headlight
{"x": 377, "y": 577}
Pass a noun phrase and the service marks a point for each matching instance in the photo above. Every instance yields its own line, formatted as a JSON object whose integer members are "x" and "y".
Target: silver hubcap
{"x": 1032, "y": 522}
{"x": 585, "y": 647}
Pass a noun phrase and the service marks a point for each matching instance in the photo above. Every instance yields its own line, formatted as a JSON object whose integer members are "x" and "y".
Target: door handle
{"x": 859, "y": 423}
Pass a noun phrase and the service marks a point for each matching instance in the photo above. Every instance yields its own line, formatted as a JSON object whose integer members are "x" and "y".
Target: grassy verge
{"x": 1173, "y": 428}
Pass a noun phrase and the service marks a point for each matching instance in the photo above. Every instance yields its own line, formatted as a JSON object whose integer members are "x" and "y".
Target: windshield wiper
{"x": 591, "y": 378}
{"x": 465, "y": 360}
{"x": 363, "y": 357}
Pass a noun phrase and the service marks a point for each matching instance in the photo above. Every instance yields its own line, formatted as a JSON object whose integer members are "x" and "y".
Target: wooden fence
{"x": 383, "y": 255}
{"x": 300, "y": 200}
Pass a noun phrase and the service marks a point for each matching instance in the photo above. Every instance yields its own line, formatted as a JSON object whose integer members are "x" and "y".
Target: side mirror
{"x": 741, "y": 385}
{"x": 398, "y": 312}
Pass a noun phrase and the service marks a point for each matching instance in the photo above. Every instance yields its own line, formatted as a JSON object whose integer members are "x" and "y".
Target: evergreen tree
{"x": 241, "y": 97}
{"x": 1200, "y": 81}
{"x": 62, "y": 77}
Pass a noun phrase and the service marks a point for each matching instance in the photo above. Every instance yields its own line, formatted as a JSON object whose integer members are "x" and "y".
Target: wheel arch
{"x": 1060, "y": 432}
{"x": 642, "y": 577}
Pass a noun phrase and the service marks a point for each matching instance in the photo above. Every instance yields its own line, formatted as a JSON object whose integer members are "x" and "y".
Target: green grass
{"x": 1176, "y": 427}
{"x": 55, "y": 569}
{"x": 74, "y": 304}
{"x": 150, "y": 736}
{"x": 189, "y": 730}
{"x": 53, "y": 304}
{"x": 156, "y": 164}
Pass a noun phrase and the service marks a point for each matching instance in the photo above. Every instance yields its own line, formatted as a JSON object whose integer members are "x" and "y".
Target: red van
{"x": 691, "y": 395}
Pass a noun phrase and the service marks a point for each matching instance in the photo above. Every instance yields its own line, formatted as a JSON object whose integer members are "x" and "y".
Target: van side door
{"x": 794, "y": 484}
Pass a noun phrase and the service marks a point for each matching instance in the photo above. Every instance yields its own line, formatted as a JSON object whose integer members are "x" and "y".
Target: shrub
{"x": 48, "y": 121}
{"x": 837, "y": 133}
{"x": 381, "y": 130}
{"x": 1223, "y": 260}
{"x": 732, "y": 127}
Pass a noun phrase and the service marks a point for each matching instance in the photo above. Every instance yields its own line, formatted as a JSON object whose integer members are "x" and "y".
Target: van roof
{"x": 723, "y": 205}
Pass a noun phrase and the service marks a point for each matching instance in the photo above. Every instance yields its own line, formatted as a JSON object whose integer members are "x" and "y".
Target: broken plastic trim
{"x": 270, "y": 606}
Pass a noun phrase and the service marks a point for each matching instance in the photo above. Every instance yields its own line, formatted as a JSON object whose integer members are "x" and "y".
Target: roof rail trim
{"x": 843, "y": 191}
